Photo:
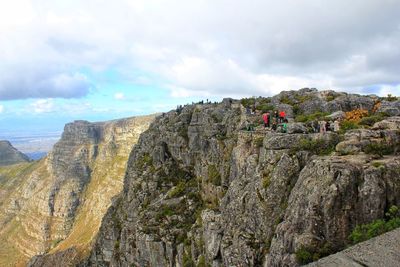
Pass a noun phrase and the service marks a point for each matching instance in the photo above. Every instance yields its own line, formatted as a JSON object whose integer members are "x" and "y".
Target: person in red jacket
{"x": 266, "y": 119}
{"x": 282, "y": 116}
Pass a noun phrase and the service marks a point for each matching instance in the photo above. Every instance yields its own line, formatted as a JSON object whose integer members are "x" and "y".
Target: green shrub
{"x": 258, "y": 142}
{"x": 330, "y": 98}
{"x": 248, "y": 102}
{"x": 214, "y": 176}
{"x": 377, "y": 164}
{"x": 371, "y": 120}
{"x": 296, "y": 109}
{"x": 265, "y": 107}
{"x": 348, "y": 125}
{"x": 367, "y": 231}
{"x": 144, "y": 161}
{"x": 178, "y": 190}
{"x": 187, "y": 260}
{"x": 391, "y": 98}
{"x": 202, "y": 262}
{"x": 318, "y": 146}
{"x": 378, "y": 149}
{"x": 266, "y": 181}
{"x": 311, "y": 117}
{"x": 304, "y": 256}
{"x": 164, "y": 211}
{"x": 286, "y": 100}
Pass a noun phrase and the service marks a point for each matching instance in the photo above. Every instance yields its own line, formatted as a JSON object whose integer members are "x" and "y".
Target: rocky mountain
{"x": 56, "y": 205}
{"x": 201, "y": 190}
{"x": 10, "y": 155}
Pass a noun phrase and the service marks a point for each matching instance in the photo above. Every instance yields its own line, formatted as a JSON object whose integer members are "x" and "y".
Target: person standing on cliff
{"x": 322, "y": 127}
{"x": 276, "y": 116}
{"x": 282, "y": 116}
{"x": 336, "y": 126}
{"x": 266, "y": 119}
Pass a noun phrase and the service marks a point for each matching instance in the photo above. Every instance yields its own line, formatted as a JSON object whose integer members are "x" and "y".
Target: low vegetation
{"x": 306, "y": 255}
{"x": 348, "y": 125}
{"x": 319, "y": 146}
{"x": 378, "y": 149}
{"x": 367, "y": 231}
{"x": 372, "y": 119}
{"x": 214, "y": 176}
{"x": 311, "y": 117}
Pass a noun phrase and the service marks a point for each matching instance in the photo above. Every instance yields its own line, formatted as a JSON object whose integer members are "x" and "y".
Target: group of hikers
{"x": 277, "y": 121}
{"x": 325, "y": 126}
{"x": 179, "y": 108}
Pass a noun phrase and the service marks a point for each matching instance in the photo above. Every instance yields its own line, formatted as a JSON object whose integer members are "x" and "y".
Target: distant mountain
{"x": 58, "y": 202}
{"x": 36, "y": 155}
{"x": 10, "y": 155}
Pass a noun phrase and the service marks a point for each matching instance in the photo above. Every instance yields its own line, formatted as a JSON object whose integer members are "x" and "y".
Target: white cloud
{"x": 119, "y": 96}
{"x": 43, "y": 106}
{"x": 389, "y": 89}
{"x": 1, "y": 108}
{"x": 207, "y": 47}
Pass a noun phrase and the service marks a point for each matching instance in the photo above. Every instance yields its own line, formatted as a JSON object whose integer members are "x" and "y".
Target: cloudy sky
{"x": 69, "y": 59}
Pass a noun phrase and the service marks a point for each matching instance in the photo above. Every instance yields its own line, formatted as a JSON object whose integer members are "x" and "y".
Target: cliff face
{"x": 199, "y": 190}
{"x": 10, "y": 155}
{"x": 56, "y": 205}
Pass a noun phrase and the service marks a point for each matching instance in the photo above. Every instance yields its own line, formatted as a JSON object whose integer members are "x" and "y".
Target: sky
{"x": 62, "y": 60}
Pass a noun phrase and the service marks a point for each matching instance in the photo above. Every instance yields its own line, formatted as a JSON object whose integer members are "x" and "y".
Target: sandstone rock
{"x": 297, "y": 127}
{"x": 56, "y": 205}
{"x": 391, "y": 123}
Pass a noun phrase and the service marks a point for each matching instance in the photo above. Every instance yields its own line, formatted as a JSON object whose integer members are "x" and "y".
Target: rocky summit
{"x": 10, "y": 155}
{"x": 55, "y": 206}
{"x": 208, "y": 185}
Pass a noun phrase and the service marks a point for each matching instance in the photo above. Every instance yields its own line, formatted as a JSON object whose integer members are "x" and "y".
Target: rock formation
{"x": 10, "y": 155}
{"x": 56, "y": 205}
{"x": 201, "y": 191}
{"x": 379, "y": 251}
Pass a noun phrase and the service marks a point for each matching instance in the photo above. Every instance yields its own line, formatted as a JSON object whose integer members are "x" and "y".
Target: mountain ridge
{"x": 201, "y": 190}
{"x": 10, "y": 155}
{"x": 59, "y": 201}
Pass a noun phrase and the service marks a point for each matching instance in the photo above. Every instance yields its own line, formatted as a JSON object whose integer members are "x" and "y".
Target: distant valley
{"x": 34, "y": 145}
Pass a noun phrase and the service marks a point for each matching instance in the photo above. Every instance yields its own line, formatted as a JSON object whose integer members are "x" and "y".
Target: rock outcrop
{"x": 379, "y": 251}
{"x": 10, "y": 155}
{"x": 201, "y": 191}
{"x": 55, "y": 206}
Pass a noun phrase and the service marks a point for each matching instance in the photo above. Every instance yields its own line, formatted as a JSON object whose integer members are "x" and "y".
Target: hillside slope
{"x": 200, "y": 190}
{"x": 10, "y": 155}
{"x": 58, "y": 203}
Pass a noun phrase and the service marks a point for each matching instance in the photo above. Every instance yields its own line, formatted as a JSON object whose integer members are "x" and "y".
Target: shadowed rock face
{"x": 56, "y": 205}
{"x": 199, "y": 190}
{"x": 10, "y": 155}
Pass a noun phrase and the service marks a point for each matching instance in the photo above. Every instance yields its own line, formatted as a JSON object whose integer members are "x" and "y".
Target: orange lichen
{"x": 356, "y": 115}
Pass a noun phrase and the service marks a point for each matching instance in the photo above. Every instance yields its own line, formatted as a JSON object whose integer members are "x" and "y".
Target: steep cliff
{"x": 10, "y": 155}
{"x": 56, "y": 205}
{"x": 201, "y": 191}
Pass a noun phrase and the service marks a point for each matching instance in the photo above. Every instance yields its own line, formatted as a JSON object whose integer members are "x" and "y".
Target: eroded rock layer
{"x": 57, "y": 204}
